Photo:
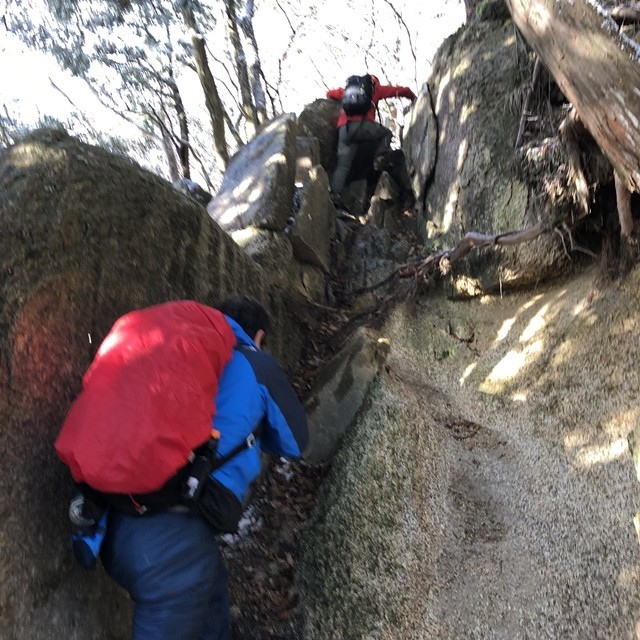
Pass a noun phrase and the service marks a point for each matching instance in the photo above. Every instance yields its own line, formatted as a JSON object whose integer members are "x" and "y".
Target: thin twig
{"x": 406, "y": 28}
{"x": 537, "y": 68}
{"x": 564, "y": 245}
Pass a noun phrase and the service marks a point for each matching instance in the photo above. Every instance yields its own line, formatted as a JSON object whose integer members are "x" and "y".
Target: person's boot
{"x": 384, "y": 162}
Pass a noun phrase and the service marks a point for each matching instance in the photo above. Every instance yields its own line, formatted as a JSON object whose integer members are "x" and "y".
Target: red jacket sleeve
{"x": 335, "y": 94}
{"x": 384, "y": 91}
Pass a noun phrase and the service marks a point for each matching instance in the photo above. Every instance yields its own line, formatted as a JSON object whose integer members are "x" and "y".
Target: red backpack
{"x": 148, "y": 398}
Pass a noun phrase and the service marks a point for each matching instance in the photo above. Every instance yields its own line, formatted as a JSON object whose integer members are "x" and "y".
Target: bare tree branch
{"x": 406, "y": 29}
{"x": 87, "y": 123}
{"x": 203, "y": 169}
{"x": 286, "y": 15}
{"x": 526, "y": 107}
{"x": 101, "y": 99}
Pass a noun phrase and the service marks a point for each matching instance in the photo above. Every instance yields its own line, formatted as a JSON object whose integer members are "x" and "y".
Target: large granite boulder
{"x": 257, "y": 188}
{"x": 274, "y": 202}
{"x": 475, "y": 184}
{"x": 85, "y": 236}
{"x": 318, "y": 120}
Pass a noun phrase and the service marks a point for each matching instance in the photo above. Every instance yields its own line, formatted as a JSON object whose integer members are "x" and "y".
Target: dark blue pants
{"x": 171, "y": 566}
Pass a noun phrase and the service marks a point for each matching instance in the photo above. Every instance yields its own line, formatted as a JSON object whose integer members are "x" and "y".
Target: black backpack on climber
{"x": 357, "y": 98}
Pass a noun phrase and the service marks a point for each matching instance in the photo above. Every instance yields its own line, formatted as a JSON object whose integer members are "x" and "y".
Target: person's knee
{"x": 343, "y": 157}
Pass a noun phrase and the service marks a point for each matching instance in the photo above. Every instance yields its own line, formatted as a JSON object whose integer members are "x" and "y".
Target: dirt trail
{"x": 537, "y": 526}
{"x": 534, "y": 549}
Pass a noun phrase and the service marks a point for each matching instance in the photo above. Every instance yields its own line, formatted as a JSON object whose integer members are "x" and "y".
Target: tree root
{"x": 627, "y": 13}
{"x": 623, "y": 200}
{"x": 440, "y": 263}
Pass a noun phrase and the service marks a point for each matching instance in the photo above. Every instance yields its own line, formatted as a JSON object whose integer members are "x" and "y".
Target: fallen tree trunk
{"x": 596, "y": 67}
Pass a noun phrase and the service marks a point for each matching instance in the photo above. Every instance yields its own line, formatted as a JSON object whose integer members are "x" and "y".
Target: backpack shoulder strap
{"x": 248, "y": 443}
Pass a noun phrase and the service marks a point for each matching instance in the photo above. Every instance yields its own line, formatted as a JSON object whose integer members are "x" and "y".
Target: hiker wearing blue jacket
{"x": 169, "y": 561}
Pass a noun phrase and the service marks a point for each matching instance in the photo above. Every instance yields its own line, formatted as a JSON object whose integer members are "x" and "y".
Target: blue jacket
{"x": 253, "y": 390}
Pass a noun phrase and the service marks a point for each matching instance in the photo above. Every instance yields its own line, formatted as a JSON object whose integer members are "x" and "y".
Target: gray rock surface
{"x": 339, "y": 391}
{"x": 271, "y": 250}
{"x": 318, "y": 120}
{"x": 314, "y": 224}
{"x": 385, "y": 206}
{"x": 258, "y": 184}
{"x": 421, "y": 142}
{"x": 193, "y": 190}
{"x": 307, "y": 157}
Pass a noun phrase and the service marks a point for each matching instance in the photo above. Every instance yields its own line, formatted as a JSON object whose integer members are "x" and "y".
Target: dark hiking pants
{"x": 350, "y": 136}
{"x": 171, "y": 566}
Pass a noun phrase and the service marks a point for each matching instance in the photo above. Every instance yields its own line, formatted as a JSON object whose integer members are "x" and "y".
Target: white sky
{"x": 27, "y": 91}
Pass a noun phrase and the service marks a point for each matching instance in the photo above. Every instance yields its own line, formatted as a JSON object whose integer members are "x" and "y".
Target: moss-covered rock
{"x": 85, "y": 236}
{"x": 475, "y": 185}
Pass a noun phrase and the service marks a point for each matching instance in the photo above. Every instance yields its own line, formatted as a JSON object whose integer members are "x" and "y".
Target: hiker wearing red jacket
{"x": 357, "y": 123}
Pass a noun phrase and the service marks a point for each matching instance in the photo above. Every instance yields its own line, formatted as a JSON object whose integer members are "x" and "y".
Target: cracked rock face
{"x": 475, "y": 185}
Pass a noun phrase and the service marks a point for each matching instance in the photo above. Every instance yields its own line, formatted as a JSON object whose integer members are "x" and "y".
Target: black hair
{"x": 247, "y": 312}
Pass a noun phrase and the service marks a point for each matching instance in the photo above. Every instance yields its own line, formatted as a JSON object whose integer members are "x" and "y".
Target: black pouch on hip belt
{"x": 203, "y": 463}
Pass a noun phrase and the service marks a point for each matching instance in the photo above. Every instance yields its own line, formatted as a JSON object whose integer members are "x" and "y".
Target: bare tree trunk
{"x": 241, "y": 65}
{"x": 259, "y": 95}
{"x": 183, "y": 143}
{"x": 169, "y": 151}
{"x": 597, "y": 69}
{"x": 211, "y": 96}
{"x": 470, "y": 8}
